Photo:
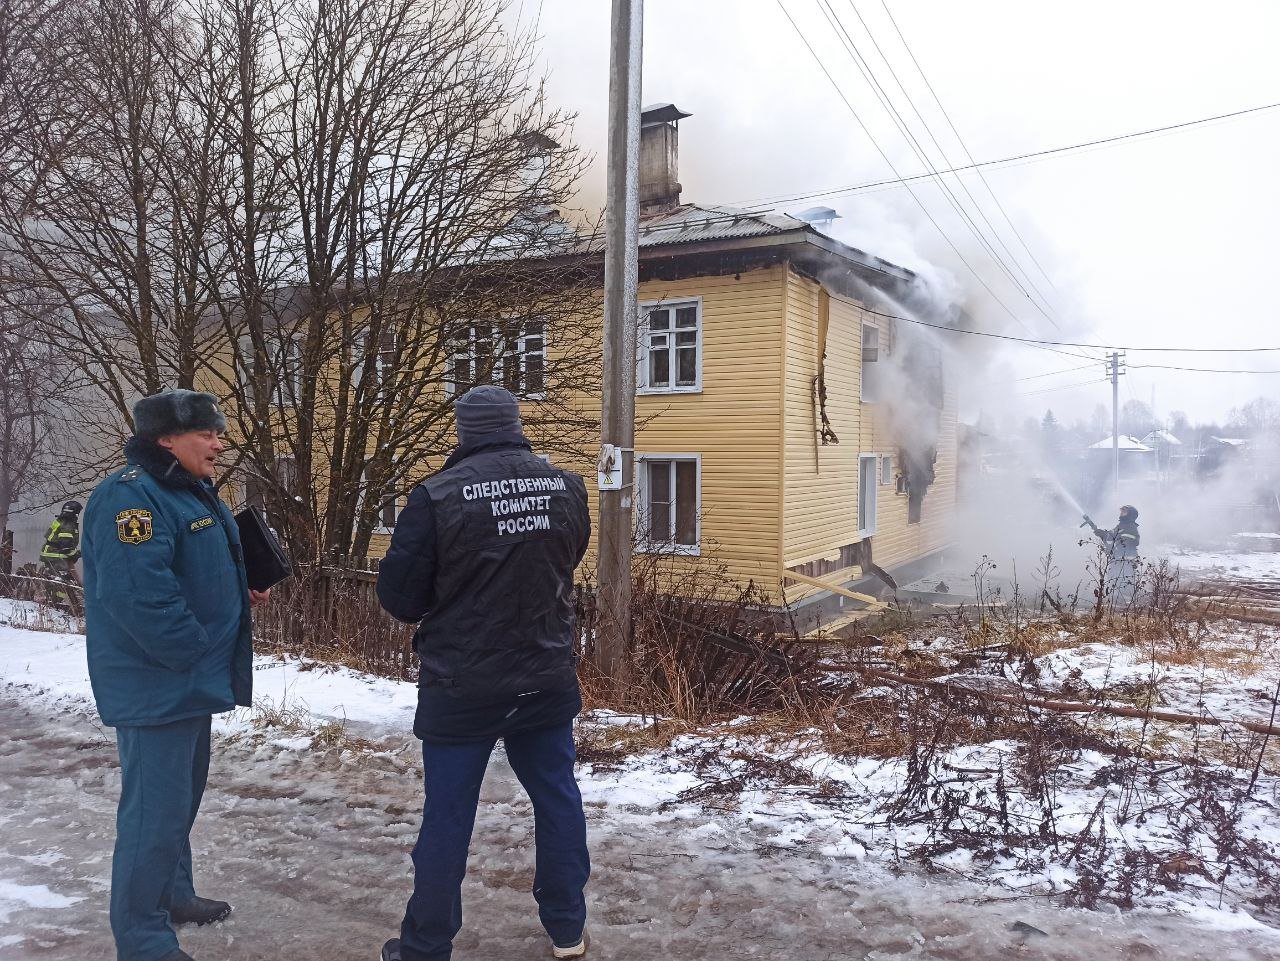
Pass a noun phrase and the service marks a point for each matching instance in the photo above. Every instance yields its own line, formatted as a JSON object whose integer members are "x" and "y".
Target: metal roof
{"x": 691, "y": 224}
{"x": 694, "y": 222}
{"x": 688, "y": 225}
{"x": 1161, "y": 437}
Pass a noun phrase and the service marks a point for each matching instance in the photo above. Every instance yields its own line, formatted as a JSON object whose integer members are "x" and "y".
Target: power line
{"x": 863, "y": 63}
{"x": 1068, "y": 343}
{"x": 1012, "y": 258}
{"x": 885, "y": 157}
{"x": 1032, "y": 155}
{"x": 964, "y": 146}
{"x": 1203, "y": 370}
{"x": 1051, "y": 390}
{"x": 1053, "y": 373}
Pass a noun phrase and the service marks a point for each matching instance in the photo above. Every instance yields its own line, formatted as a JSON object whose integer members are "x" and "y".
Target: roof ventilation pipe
{"x": 819, "y": 218}
{"x": 660, "y": 157}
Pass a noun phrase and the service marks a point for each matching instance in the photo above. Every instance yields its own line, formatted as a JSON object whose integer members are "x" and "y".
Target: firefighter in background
{"x": 62, "y": 549}
{"x": 1122, "y": 553}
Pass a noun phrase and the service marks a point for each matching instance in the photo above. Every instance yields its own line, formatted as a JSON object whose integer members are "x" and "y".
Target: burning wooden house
{"x": 790, "y": 430}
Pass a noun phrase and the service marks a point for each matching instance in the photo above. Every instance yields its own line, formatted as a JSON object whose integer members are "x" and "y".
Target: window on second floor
{"x": 284, "y": 365}
{"x": 384, "y": 361}
{"x": 870, "y": 362}
{"x": 670, "y": 347}
{"x": 511, "y": 355}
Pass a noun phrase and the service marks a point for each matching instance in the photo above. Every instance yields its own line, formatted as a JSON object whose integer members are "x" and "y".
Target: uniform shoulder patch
{"x": 134, "y": 525}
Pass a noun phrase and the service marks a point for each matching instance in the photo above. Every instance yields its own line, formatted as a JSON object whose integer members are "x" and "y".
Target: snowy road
{"x": 312, "y": 847}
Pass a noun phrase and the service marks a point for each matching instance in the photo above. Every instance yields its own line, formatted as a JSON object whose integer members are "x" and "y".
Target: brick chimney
{"x": 660, "y": 157}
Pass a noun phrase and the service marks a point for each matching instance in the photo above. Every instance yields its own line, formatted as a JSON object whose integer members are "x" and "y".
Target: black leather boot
{"x": 199, "y": 911}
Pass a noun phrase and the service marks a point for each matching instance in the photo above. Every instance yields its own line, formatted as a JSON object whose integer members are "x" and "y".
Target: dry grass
{"x": 325, "y": 735}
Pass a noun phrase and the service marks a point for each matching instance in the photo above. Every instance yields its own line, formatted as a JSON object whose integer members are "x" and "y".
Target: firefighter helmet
{"x": 72, "y": 507}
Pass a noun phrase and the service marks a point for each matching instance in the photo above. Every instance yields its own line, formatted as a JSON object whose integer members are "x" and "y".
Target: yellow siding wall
{"x": 821, "y": 481}
{"x": 735, "y": 423}
{"x": 754, "y": 426}
{"x": 821, "y": 505}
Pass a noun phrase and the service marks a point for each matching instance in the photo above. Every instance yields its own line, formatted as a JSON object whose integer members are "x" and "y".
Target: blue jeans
{"x": 543, "y": 761}
{"x": 163, "y": 769}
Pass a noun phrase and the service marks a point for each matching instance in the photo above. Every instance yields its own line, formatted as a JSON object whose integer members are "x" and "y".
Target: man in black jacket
{"x": 482, "y": 558}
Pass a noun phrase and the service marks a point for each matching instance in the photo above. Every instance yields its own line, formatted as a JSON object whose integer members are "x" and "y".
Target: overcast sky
{"x": 1165, "y": 241}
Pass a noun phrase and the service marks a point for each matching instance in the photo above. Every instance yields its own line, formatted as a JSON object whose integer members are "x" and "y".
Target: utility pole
{"x": 618, "y": 405}
{"x": 1113, "y": 369}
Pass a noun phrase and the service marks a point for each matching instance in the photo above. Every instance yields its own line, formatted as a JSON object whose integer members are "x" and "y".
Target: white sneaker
{"x": 577, "y": 951}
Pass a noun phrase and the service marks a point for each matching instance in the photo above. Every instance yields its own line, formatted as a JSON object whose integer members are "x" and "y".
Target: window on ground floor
{"x": 669, "y": 502}
{"x": 867, "y": 494}
{"x": 388, "y": 511}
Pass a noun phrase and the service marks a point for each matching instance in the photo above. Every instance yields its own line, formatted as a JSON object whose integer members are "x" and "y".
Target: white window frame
{"x": 497, "y": 374}
{"x": 284, "y": 365}
{"x": 872, "y": 490}
{"x": 401, "y": 500}
{"x": 886, "y": 469}
{"x": 862, "y": 375}
{"x": 385, "y": 353}
{"x": 643, "y": 544}
{"x": 398, "y": 504}
{"x": 291, "y": 364}
{"x": 523, "y": 353}
{"x": 642, "y": 348}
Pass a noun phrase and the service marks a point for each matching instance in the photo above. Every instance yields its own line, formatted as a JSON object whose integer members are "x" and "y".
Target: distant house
{"x": 1232, "y": 443}
{"x": 1136, "y": 458}
{"x": 1157, "y": 439}
{"x": 1171, "y": 455}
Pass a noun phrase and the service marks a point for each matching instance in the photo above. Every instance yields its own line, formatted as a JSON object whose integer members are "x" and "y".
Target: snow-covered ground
{"x": 1194, "y": 565}
{"x": 309, "y": 834}
{"x": 1250, "y": 565}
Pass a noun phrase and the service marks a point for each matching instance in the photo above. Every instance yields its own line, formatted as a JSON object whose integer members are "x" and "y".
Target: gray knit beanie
{"x": 176, "y": 412}
{"x": 486, "y": 410}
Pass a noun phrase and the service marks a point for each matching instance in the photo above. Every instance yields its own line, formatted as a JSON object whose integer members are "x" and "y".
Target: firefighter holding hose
{"x": 1121, "y": 543}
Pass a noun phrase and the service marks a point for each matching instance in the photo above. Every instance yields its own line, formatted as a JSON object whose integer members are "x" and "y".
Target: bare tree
{"x": 337, "y": 215}
{"x": 114, "y": 208}
{"x": 409, "y": 165}
{"x": 33, "y": 381}
{"x": 1258, "y": 418}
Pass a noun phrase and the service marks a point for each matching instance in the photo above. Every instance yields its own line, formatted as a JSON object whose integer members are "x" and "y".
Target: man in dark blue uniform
{"x": 170, "y": 644}
{"x": 483, "y": 557}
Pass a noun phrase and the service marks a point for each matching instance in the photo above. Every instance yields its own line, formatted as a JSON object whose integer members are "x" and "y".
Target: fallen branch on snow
{"x": 1059, "y": 706}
